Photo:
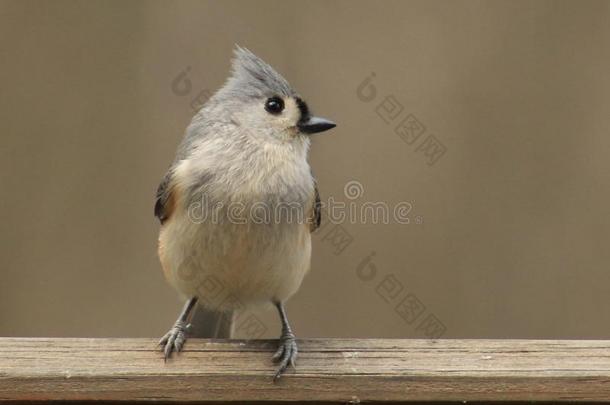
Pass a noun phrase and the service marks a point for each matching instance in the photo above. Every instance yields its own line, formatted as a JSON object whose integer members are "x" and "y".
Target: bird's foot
{"x": 286, "y": 354}
{"x": 173, "y": 341}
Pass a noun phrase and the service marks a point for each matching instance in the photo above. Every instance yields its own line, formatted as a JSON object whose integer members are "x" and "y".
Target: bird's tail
{"x": 211, "y": 324}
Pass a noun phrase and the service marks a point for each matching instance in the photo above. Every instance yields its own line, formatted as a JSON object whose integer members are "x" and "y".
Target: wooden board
{"x": 327, "y": 370}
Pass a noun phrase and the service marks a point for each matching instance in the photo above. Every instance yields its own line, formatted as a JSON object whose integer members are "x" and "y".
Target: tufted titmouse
{"x": 239, "y": 203}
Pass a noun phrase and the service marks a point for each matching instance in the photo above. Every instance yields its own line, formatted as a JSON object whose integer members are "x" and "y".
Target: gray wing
{"x": 163, "y": 201}
{"x": 316, "y": 212}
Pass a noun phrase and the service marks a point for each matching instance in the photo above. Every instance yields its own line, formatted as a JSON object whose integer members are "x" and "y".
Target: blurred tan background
{"x": 509, "y": 227}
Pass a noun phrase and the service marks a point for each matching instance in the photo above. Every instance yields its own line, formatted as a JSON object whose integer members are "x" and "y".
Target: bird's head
{"x": 262, "y": 103}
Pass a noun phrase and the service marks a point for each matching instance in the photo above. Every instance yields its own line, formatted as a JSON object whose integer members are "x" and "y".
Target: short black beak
{"x": 315, "y": 124}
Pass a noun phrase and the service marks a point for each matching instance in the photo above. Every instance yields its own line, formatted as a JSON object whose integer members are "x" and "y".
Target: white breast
{"x": 228, "y": 263}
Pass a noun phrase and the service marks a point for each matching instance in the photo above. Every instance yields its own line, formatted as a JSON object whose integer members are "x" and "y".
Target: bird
{"x": 239, "y": 202}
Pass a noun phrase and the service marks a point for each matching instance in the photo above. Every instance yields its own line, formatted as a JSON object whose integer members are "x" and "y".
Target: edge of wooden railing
{"x": 342, "y": 370}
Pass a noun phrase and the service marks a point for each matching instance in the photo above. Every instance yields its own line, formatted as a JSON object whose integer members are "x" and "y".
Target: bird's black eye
{"x": 274, "y": 105}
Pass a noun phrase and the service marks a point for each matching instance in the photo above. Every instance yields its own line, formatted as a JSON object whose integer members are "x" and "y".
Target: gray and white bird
{"x": 238, "y": 204}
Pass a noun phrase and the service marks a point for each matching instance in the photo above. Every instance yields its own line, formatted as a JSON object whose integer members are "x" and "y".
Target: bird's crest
{"x": 253, "y": 77}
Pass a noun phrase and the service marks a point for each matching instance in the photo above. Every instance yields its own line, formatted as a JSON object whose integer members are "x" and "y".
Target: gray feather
{"x": 251, "y": 77}
{"x": 162, "y": 198}
{"x": 316, "y": 220}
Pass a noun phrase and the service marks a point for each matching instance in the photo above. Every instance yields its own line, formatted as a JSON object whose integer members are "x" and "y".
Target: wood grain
{"x": 327, "y": 370}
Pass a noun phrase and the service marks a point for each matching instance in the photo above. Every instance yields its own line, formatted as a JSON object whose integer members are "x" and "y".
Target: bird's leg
{"x": 286, "y": 353}
{"x": 175, "y": 338}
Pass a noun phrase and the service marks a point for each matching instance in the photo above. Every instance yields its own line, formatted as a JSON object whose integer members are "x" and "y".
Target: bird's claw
{"x": 286, "y": 355}
{"x": 173, "y": 341}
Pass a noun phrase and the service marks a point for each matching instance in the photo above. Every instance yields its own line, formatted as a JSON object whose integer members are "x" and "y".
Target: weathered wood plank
{"x": 328, "y": 370}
